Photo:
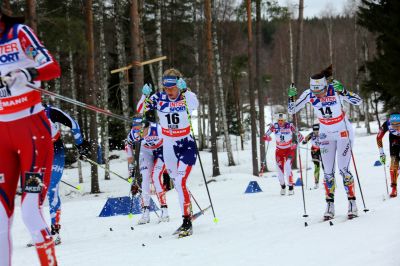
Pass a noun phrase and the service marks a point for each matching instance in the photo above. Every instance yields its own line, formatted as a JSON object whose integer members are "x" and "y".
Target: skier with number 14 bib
{"x": 335, "y": 133}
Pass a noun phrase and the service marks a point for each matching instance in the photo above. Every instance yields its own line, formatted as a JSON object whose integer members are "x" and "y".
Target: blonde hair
{"x": 172, "y": 72}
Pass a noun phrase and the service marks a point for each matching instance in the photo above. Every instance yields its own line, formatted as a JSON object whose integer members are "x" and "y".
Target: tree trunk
{"x": 157, "y": 17}
{"x": 73, "y": 88}
{"x": 95, "y": 188}
{"x": 220, "y": 92}
{"x": 299, "y": 47}
{"x": 136, "y": 51}
{"x": 121, "y": 58}
{"x": 31, "y": 14}
{"x": 253, "y": 114}
{"x": 211, "y": 99}
{"x": 260, "y": 90}
{"x": 104, "y": 87}
{"x": 200, "y": 136}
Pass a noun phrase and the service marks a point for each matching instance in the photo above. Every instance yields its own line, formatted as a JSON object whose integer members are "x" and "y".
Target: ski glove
{"x": 83, "y": 149}
{"x": 134, "y": 189}
{"x": 20, "y": 77}
{"x": 146, "y": 90}
{"x": 292, "y": 91}
{"x": 382, "y": 158}
{"x": 338, "y": 87}
{"x": 181, "y": 84}
{"x": 304, "y": 142}
{"x": 267, "y": 138}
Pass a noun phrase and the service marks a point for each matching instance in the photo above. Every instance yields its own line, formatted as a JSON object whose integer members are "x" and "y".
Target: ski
{"x": 194, "y": 217}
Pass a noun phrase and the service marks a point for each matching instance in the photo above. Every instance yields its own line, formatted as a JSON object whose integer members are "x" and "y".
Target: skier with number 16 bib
{"x": 335, "y": 133}
{"x": 174, "y": 106}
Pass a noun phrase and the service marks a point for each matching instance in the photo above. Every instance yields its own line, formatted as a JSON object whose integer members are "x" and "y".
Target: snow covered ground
{"x": 253, "y": 229}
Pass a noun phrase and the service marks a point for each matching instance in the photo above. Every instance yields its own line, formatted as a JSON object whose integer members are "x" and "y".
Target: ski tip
{"x": 216, "y": 220}
{"x": 130, "y": 215}
{"x": 78, "y": 187}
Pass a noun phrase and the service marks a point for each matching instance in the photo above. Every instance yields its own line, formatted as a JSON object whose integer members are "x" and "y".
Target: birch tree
{"x": 220, "y": 89}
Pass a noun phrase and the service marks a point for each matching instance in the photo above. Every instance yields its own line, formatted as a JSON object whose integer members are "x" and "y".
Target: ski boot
{"x": 283, "y": 190}
{"x": 316, "y": 186}
{"x": 186, "y": 228}
{"x": 55, "y": 232}
{"x": 352, "y": 211}
{"x": 145, "y": 216}
{"x": 164, "y": 214}
{"x": 393, "y": 194}
{"x": 330, "y": 210}
{"x": 291, "y": 190}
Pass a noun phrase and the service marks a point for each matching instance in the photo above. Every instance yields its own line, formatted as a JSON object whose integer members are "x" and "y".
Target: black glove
{"x": 304, "y": 142}
{"x": 83, "y": 149}
{"x": 134, "y": 189}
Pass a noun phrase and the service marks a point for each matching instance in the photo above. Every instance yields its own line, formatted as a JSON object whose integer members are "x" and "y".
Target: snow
{"x": 253, "y": 229}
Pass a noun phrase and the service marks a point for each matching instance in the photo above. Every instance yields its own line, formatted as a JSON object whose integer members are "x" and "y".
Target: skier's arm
{"x": 191, "y": 100}
{"x": 58, "y": 116}
{"x": 299, "y": 136}
{"x": 382, "y": 131}
{"x": 350, "y": 97}
{"x": 294, "y": 107}
{"x": 46, "y": 67}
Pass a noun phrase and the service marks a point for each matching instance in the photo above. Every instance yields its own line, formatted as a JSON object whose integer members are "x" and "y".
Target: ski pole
{"x": 305, "y": 215}
{"x": 129, "y": 180}
{"x": 307, "y": 168}
{"x": 352, "y": 155}
{"x": 195, "y": 201}
{"x": 198, "y": 155}
{"x": 68, "y": 184}
{"x": 384, "y": 169}
{"x": 81, "y": 104}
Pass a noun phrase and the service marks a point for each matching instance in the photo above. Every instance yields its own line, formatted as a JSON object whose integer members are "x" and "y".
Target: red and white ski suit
{"x": 26, "y": 148}
{"x": 285, "y": 148}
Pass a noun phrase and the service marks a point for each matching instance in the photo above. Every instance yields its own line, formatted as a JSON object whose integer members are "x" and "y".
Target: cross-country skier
{"x": 335, "y": 133}
{"x": 315, "y": 152}
{"x": 173, "y": 105}
{"x": 57, "y": 117}
{"x": 26, "y": 149}
{"x": 285, "y": 150}
{"x": 151, "y": 164}
{"x": 393, "y": 126}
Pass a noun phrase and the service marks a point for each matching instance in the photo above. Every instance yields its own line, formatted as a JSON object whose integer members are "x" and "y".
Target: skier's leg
{"x": 315, "y": 155}
{"x": 328, "y": 152}
{"x": 146, "y": 167}
{"x": 185, "y": 149}
{"x": 280, "y": 165}
{"x": 157, "y": 176}
{"x": 53, "y": 191}
{"x": 394, "y": 170}
{"x": 9, "y": 174}
{"x": 36, "y": 158}
{"x": 344, "y": 146}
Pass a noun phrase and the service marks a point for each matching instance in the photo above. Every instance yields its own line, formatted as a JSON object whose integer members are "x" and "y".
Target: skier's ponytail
{"x": 325, "y": 73}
